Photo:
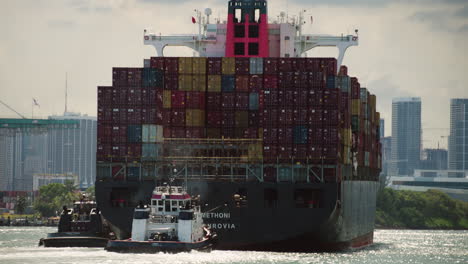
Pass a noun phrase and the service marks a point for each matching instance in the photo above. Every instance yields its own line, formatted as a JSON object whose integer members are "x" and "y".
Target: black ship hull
{"x": 271, "y": 216}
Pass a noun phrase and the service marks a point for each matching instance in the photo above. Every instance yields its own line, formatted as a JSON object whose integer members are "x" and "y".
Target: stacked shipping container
{"x": 298, "y": 107}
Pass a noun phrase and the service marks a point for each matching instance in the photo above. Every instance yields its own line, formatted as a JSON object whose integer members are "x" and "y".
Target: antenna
{"x": 66, "y": 91}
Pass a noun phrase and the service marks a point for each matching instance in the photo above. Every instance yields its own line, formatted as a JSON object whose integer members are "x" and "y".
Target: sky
{"x": 407, "y": 48}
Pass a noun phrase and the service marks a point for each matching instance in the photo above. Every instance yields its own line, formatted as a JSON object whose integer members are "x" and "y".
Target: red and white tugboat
{"x": 171, "y": 223}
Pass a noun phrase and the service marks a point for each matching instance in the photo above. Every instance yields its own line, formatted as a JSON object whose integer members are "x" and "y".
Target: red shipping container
{"x": 270, "y": 135}
{"x": 178, "y": 118}
{"x": 298, "y": 64}
{"x": 355, "y": 88}
{"x": 134, "y": 77}
{"x": 300, "y": 152}
{"x": 285, "y": 65}
{"x": 166, "y": 117}
{"x": 134, "y": 96}
{"x": 270, "y": 153}
{"x": 119, "y": 77}
{"x": 119, "y": 151}
{"x": 195, "y": 132}
{"x": 134, "y": 115}
{"x": 214, "y": 118}
{"x": 157, "y": 63}
{"x": 285, "y": 116}
{"x": 171, "y": 81}
{"x": 343, "y": 71}
{"x": 104, "y": 115}
{"x": 254, "y": 118}
{"x": 270, "y": 65}
{"x": 312, "y": 64}
{"x": 315, "y": 97}
{"x": 167, "y": 132}
{"x": 315, "y": 116}
{"x": 213, "y": 101}
{"x": 301, "y": 97}
{"x": 286, "y": 80}
{"x": 285, "y": 153}
{"x": 171, "y": 64}
{"x": 331, "y": 97}
{"x": 331, "y": 154}
{"x": 329, "y": 66}
{"x": 214, "y": 65}
{"x": 250, "y": 132}
{"x": 242, "y": 65}
{"x": 315, "y": 136}
{"x": 178, "y": 132}
{"x": 103, "y": 151}
{"x": 315, "y": 152}
{"x": 228, "y": 101}
{"x": 134, "y": 150}
{"x": 148, "y": 97}
{"x": 331, "y": 136}
{"x": 149, "y": 116}
{"x": 269, "y": 117}
{"x": 119, "y": 134}
{"x": 119, "y": 115}
{"x": 242, "y": 101}
{"x": 119, "y": 96}
{"x": 195, "y": 100}
{"x": 300, "y": 116}
{"x": 228, "y": 132}
{"x": 285, "y": 135}
{"x": 270, "y": 97}
{"x": 159, "y": 99}
{"x": 104, "y": 133}
{"x": 228, "y": 119}
{"x": 331, "y": 116}
{"x": 303, "y": 80}
{"x": 105, "y": 95}
{"x": 270, "y": 82}
{"x": 242, "y": 83}
{"x": 178, "y": 99}
{"x": 255, "y": 83}
{"x": 286, "y": 98}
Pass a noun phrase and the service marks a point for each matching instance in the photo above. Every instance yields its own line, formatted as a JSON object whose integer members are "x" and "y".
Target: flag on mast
{"x": 35, "y": 102}
{"x": 194, "y": 20}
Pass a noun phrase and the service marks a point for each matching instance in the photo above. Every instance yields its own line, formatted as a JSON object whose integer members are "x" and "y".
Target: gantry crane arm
{"x": 22, "y": 116}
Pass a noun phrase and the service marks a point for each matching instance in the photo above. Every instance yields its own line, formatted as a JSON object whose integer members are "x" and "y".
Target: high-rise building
{"x": 382, "y": 128}
{"x": 434, "y": 159}
{"x": 406, "y": 136}
{"x": 458, "y": 138}
{"x": 386, "y": 154}
{"x": 73, "y": 151}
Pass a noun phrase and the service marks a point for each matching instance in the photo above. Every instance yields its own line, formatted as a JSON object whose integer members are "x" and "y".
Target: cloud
{"x": 441, "y": 19}
{"x": 463, "y": 12}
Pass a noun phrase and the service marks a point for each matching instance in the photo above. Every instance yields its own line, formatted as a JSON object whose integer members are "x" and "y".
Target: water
{"x": 19, "y": 245}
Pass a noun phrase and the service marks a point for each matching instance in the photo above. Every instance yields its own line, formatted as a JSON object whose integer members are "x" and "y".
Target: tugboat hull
{"x": 128, "y": 246}
{"x": 73, "y": 240}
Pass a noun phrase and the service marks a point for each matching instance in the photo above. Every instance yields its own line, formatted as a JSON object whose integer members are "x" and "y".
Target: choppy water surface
{"x": 19, "y": 245}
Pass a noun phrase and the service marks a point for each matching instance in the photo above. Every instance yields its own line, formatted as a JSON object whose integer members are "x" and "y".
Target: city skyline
{"x": 87, "y": 38}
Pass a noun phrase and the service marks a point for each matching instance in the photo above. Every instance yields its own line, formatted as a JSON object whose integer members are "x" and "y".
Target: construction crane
{"x": 22, "y": 116}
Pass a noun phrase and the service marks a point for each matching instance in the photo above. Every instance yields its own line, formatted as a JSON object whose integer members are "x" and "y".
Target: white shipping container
{"x": 152, "y": 134}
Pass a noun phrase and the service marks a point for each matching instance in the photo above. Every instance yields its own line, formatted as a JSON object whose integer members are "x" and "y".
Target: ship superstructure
{"x": 266, "y": 136}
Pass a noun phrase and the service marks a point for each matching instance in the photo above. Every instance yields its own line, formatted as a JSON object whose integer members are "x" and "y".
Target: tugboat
{"x": 81, "y": 226}
{"x": 172, "y": 223}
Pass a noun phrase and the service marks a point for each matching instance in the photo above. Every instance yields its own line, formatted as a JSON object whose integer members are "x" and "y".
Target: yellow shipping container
{"x": 199, "y": 65}
{"x": 167, "y": 99}
{"x": 373, "y": 100}
{"x": 356, "y": 107}
{"x": 242, "y": 118}
{"x": 346, "y": 136}
{"x": 214, "y": 83}
{"x": 195, "y": 118}
{"x": 185, "y": 82}
{"x": 228, "y": 65}
{"x": 255, "y": 152}
{"x": 185, "y": 65}
{"x": 213, "y": 132}
{"x": 260, "y": 133}
{"x": 199, "y": 82}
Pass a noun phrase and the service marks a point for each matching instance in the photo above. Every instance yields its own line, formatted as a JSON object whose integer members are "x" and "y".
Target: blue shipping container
{"x": 152, "y": 77}
{"x": 133, "y": 173}
{"x": 300, "y": 135}
{"x": 331, "y": 82}
{"x": 284, "y": 174}
{"x": 228, "y": 83}
{"x": 134, "y": 133}
{"x": 151, "y": 151}
{"x": 253, "y": 101}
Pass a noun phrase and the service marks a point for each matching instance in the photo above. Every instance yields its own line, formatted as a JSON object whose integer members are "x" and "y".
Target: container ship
{"x": 283, "y": 149}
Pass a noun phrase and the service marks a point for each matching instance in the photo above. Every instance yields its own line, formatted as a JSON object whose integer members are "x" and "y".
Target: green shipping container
{"x": 152, "y": 133}
{"x": 151, "y": 151}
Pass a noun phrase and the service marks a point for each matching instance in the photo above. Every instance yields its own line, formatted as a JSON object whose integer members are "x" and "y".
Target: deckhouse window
{"x": 153, "y": 202}
{"x": 239, "y": 31}
{"x": 239, "y": 48}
